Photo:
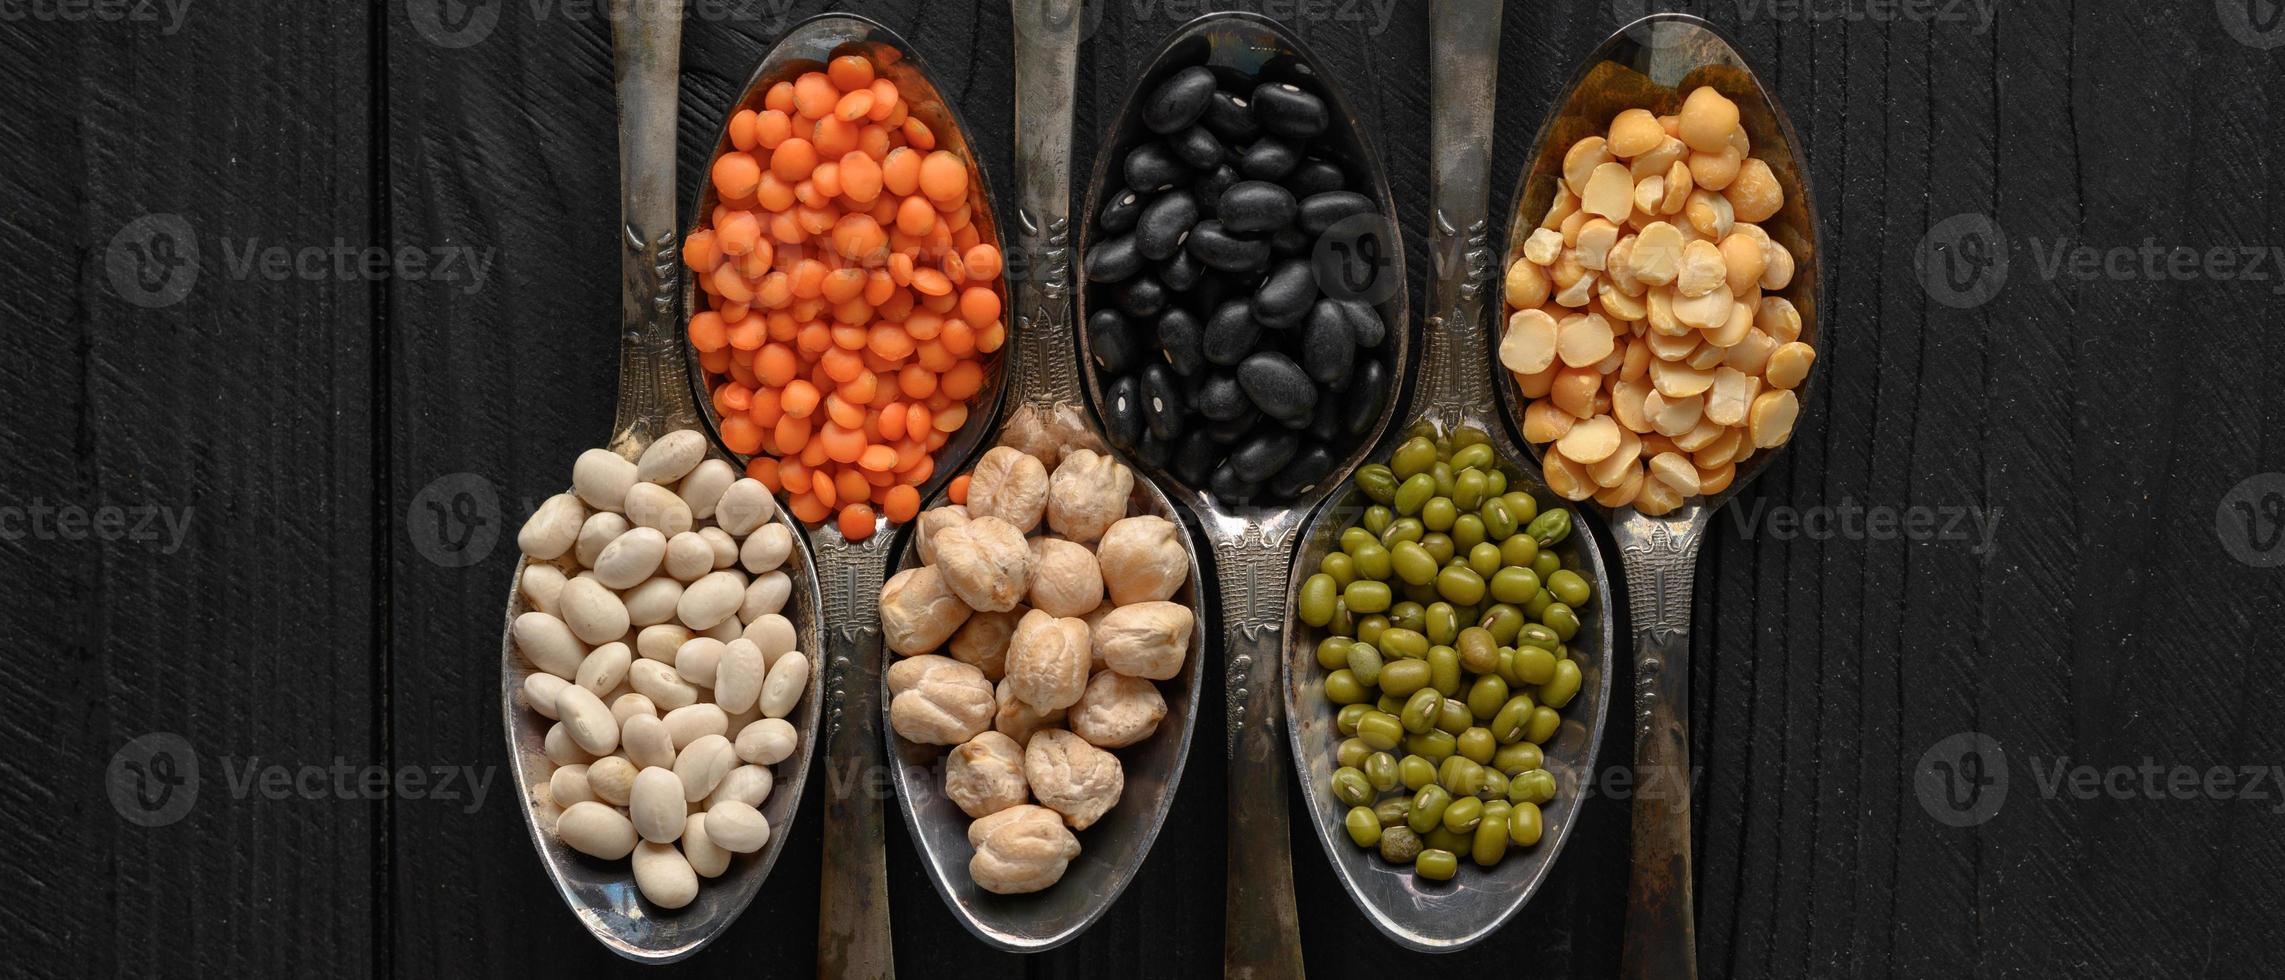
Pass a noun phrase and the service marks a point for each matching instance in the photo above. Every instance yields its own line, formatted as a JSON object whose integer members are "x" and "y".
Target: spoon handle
{"x": 654, "y": 381}
{"x": 853, "y": 891}
{"x": 1455, "y": 364}
{"x": 1661, "y": 562}
{"x": 1262, "y": 936}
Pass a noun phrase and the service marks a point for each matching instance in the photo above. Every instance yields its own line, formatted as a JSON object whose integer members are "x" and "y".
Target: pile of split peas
{"x": 851, "y": 295}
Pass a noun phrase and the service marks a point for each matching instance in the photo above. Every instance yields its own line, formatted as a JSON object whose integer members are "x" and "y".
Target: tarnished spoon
{"x": 1253, "y": 545}
{"x": 654, "y": 399}
{"x": 1048, "y": 416}
{"x": 1455, "y": 379}
{"x": 1653, "y": 63}
{"x": 853, "y": 911}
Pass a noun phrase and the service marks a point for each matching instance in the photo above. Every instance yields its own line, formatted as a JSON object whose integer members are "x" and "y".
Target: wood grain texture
{"x": 349, "y": 454}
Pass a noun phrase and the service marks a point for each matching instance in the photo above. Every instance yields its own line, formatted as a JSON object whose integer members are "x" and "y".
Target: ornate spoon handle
{"x": 1661, "y": 557}
{"x": 654, "y": 384}
{"x": 853, "y": 901}
{"x": 1262, "y": 925}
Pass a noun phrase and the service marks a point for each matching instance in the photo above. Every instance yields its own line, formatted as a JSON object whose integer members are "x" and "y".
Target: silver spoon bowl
{"x": 1253, "y": 544}
{"x": 654, "y": 399}
{"x": 1654, "y": 63}
{"x": 1455, "y": 380}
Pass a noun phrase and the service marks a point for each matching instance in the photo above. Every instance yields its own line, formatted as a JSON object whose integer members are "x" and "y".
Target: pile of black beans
{"x": 1238, "y": 344}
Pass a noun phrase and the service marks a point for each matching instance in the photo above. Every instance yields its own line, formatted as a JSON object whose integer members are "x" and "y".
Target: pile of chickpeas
{"x": 1645, "y": 324}
{"x": 1448, "y": 615}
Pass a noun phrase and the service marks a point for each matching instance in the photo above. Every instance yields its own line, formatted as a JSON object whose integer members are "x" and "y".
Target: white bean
{"x": 597, "y": 534}
{"x": 738, "y": 676}
{"x": 568, "y": 785}
{"x": 627, "y": 706}
{"x": 712, "y": 599}
{"x": 540, "y": 584}
{"x": 734, "y": 826}
{"x": 750, "y": 785}
{"x": 782, "y": 690}
{"x": 631, "y": 558}
{"x": 725, "y": 547}
{"x": 553, "y": 528}
{"x": 744, "y": 506}
{"x": 698, "y": 660}
{"x": 587, "y": 720}
{"x": 656, "y": 805}
{"x": 647, "y": 741}
{"x": 593, "y": 611}
{"x": 767, "y": 742}
{"x": 663, "y": 876}
{"x": 702, "y": 764}
{"x": 773, "y": 635}
{"x": 689, "y": 556}
{"x": 766, "y": 549}
{"x": 661, "y": 641}
{"x": 601, "y": 477}
{"x": 605, "y": 668}
{"x": 687, "y": 723}
{"x": 559, "y": 747}
{"x": 726, "y": 630}
{"x": 612, "y": 780}
{"x": 548, "y": 643}
{"x": 706, "y": 858}
{"x": 651, "y": 505}
{"x": 702, "y": 489}
{"x": 767, "y": 594}
{"x": 671, "y": 457}
{"x": 540, "y": 689}
{"x": 595, "y": 830}
{"x": 652, "y": 602}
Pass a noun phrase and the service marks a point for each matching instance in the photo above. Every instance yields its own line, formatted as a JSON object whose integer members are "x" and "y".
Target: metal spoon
{"x": 1653, "y": 63}
{"x": 1455, "y": 381}
{"x": 853, "y": 913}
{"x": 654, "y": 399}
{"x": 1047, "y": 416}
{"x": 1253, "y": 546}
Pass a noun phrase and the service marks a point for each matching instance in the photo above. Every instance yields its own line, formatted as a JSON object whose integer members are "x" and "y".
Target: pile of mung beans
{"x": 1447, "y": 615}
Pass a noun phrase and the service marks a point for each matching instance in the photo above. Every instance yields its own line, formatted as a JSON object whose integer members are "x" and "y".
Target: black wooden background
{"x": 341, "y": 448}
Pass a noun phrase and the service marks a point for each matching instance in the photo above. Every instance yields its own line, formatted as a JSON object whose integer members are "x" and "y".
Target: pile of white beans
{"x": 664, "y": 658}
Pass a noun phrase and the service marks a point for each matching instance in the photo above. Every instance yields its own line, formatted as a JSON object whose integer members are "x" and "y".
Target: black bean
{"x": 1113, "y": 342}
{"x": 1122, "y": 409}
{"x": 1285, "y": 110}
{"x": 1322, "y": 211}
{"x": 1367, "y": 395}
{"x": 1218, "y": 248}
{"x": 1180, "y": 337}
{"x": 1231, "y": 119}
{"x": 1229, "y": 431}
{"x": 1257, "y": 459}
{"x": 1365, "y": 323}
{"x": 1231, "y": 332}
{"x": 1228, "y": 486}
{"x": 1278, "y": 386}
{"x": 1255, "y": 206}
{"x": 1168, "y": 217}
{"x": 1210, "y": 188}
{"x": 1284, "y": 298}
{"x": 1197, "y": 147}
{"x": 1269, "y": 158}
{"x": 1152, "y": 450}
{"x": 1140, "y": 297}
{"x": 1162, "y": 403}
{"x": 1289, "y": 241}
{"x": 1219, "y": 398}
{"x": 1315, "y": 176}
{"x": 1113, "y": 259}
{"x": 1152, "y": 166}
{"x": 1195, "y": 456}
{"x": 1179, "y": 100}
{"x": 1325, "y": 422}
{"x": 1307, "y": 468}
{"x": 1328, "y": 348}
{"x": 1181, "y": 271}
{"x": 1119, "y": 212}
